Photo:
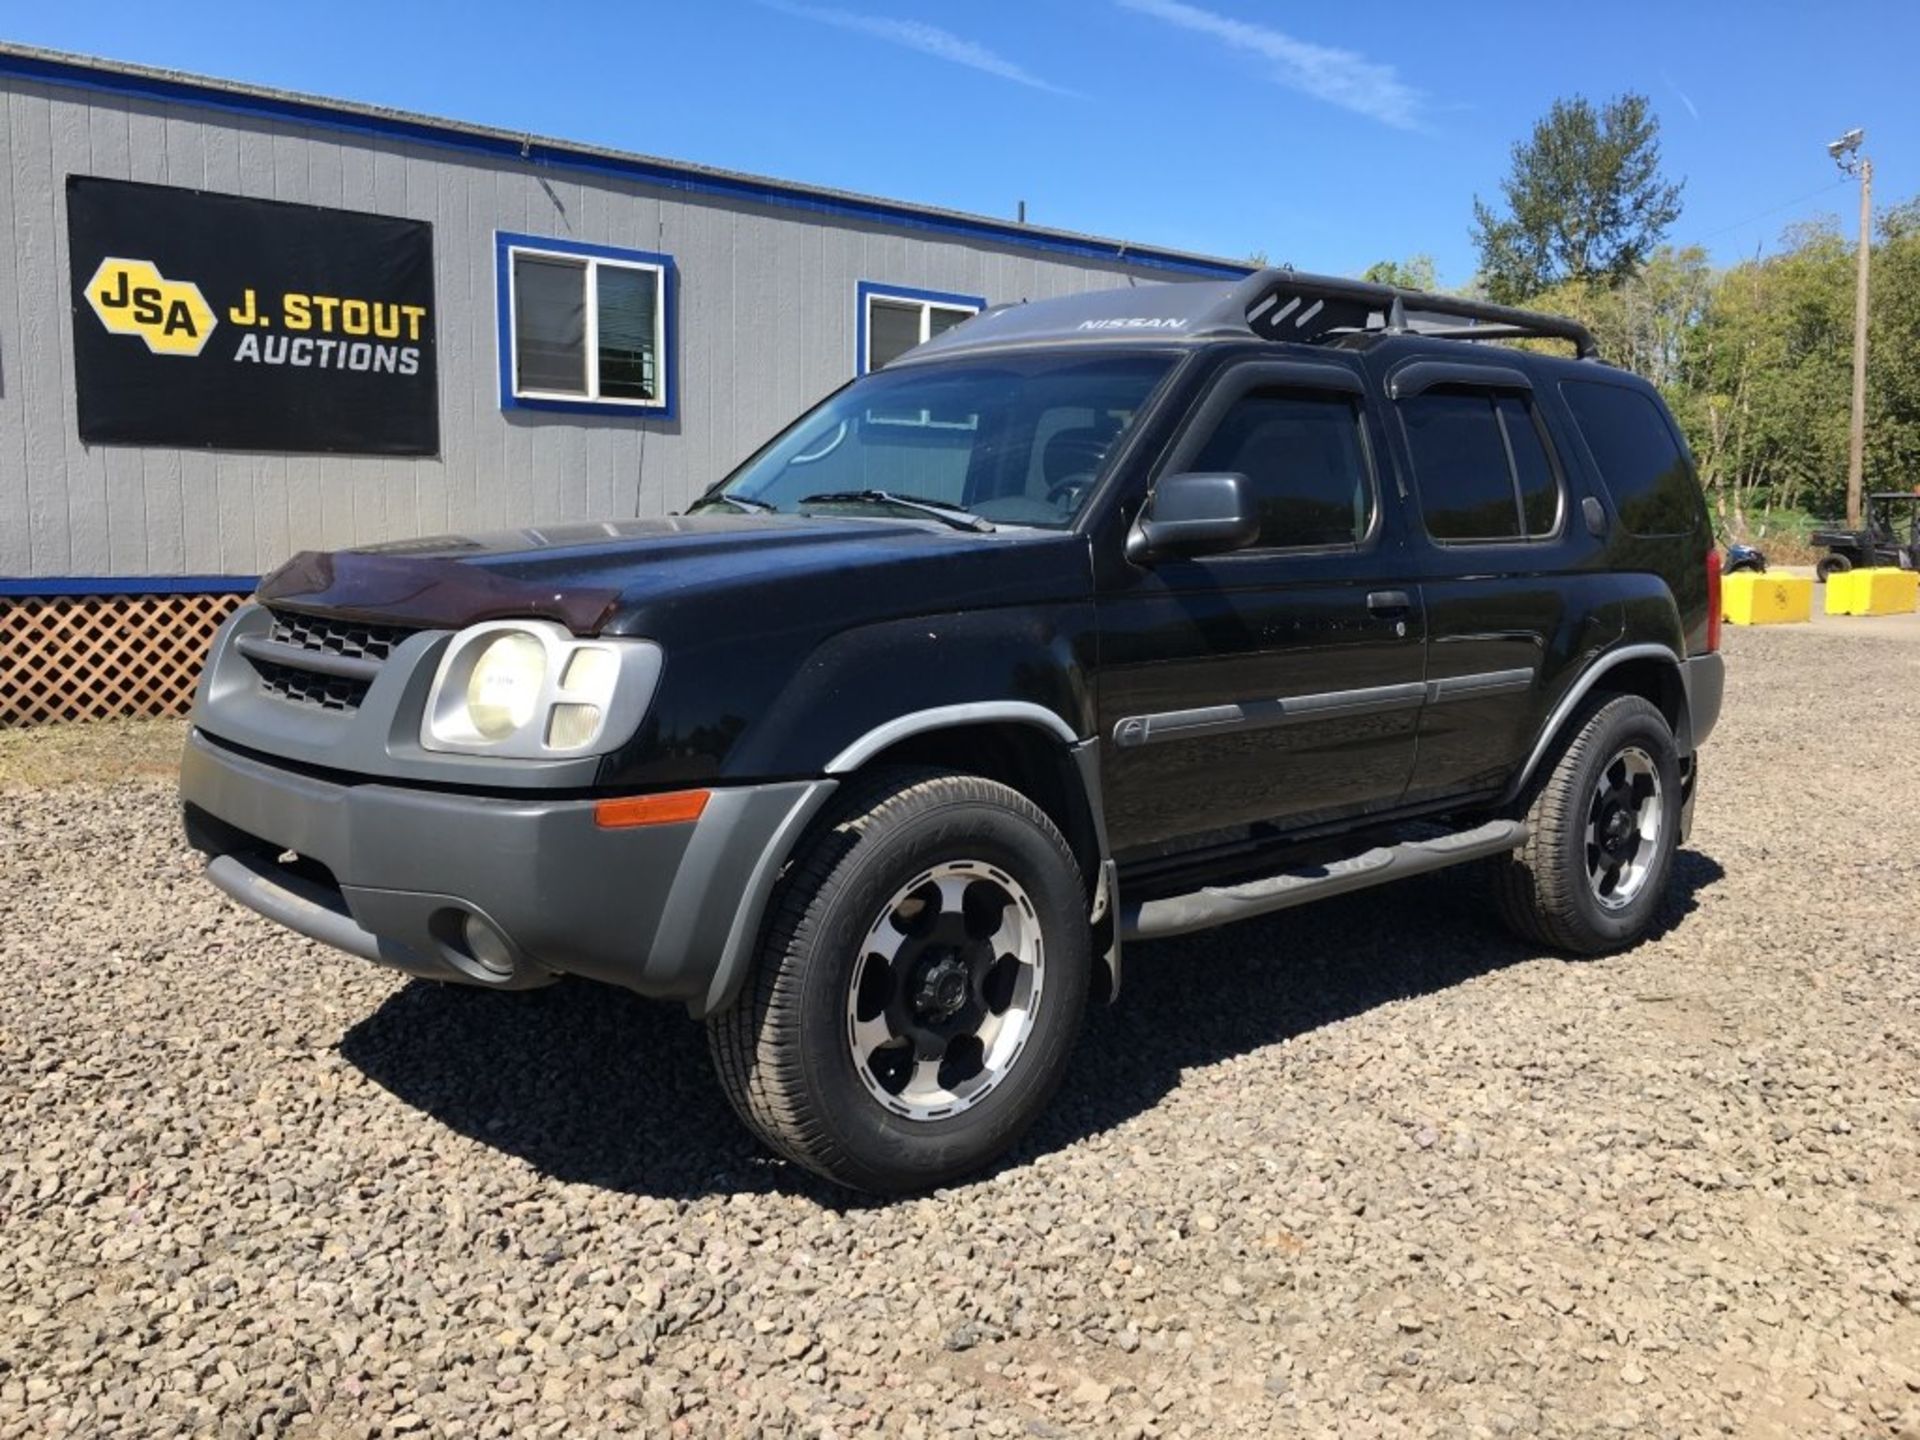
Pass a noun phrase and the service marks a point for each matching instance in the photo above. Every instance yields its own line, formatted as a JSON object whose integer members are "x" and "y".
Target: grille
{"x": 321, "y": 635}
{"x": 303, "y": 687}
{"x": 355, "y": 639}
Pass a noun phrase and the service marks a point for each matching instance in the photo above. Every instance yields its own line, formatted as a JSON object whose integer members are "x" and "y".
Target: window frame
{"x": 868, "y": 291}
{"x": 1490, "y": 388}
{"x": 1312, "y": 379}
{"x": 508, "y": 245}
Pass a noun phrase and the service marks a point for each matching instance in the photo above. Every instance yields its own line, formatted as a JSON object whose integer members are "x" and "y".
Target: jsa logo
{"x": 131, "y": 297}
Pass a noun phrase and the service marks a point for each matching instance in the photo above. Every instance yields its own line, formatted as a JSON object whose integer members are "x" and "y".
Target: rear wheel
{"x": 919, "y": 988}
{"x": 1830, "y": 565}
{"x": 1603, "y": 824}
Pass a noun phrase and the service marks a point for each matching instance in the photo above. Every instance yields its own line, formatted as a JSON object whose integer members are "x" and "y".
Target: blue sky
{"x": 1326, "y": 135}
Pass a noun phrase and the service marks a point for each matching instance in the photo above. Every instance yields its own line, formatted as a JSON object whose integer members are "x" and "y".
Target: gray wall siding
{"x": 766, "y": 324}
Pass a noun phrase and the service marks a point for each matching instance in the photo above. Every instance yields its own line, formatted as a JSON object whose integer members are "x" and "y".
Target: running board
{"x": 1219, "y": 904}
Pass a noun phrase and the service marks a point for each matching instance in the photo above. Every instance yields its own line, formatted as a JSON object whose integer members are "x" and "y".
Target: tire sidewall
{"x": 1617, "y": 726}
{"x": 898, "y": 1152}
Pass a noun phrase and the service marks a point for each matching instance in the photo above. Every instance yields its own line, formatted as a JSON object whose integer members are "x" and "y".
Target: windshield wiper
{"x": 958, "y": 516}
{"x": 740, "y": 502}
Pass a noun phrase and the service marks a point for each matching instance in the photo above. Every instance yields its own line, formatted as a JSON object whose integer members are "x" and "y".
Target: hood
{"x": 616, "y": 577}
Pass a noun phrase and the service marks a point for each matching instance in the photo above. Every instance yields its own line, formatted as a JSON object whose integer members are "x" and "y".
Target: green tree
{"x": 1764, "y": 392}
{"x": 1893, "y": 353}
{"x": 1585, "y": 201}
{"x": 1416, "y": 272}
{"x": 1646, "y": 323}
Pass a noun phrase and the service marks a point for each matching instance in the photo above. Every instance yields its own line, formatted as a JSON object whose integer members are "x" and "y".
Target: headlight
{"x": 504, "y": 689}
{"x": 527, "y": 688}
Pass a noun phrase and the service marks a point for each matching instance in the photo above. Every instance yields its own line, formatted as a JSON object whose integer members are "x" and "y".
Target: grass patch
{"x": 1782, "y": 535}
{"x": 94, "y": 751}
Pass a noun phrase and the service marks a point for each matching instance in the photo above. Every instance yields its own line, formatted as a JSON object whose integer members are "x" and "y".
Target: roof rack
{"x": 1282, "y": 304}
{"x": 1268, "y": 305}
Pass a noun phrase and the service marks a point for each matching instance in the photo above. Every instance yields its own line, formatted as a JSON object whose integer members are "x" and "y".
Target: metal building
{"x": 236, "y": 323}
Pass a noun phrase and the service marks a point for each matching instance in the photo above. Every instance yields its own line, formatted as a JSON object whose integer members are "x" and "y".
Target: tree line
{"x": 1754, "y": 358}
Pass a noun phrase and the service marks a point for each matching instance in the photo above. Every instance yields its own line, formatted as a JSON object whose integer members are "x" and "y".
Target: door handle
{"x": 1389, "y": 602}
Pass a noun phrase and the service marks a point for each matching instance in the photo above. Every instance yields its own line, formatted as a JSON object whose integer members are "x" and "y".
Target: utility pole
{"x": 1846, "y": 154}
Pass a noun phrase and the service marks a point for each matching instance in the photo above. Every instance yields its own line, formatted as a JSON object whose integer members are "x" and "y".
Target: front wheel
{"x": 919, "y": 989}
{"x": 1830, "y": 565}
{"x": 1603, "y": 824}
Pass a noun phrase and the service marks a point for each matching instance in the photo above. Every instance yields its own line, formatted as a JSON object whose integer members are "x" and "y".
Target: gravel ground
{"x": 1368, "y": 1169}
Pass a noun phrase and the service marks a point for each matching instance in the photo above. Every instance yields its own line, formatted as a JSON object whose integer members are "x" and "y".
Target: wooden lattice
{"x": 89, "y": 657}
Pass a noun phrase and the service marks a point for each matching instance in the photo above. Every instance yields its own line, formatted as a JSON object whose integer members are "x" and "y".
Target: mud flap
{"x": 1105, "y": 924}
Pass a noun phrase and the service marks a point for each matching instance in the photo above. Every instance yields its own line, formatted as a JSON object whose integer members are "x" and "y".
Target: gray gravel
{"x": 1366, "y": 1170}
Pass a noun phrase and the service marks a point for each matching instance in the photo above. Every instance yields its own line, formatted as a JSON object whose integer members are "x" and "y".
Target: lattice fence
{"x": 89, "y": 657}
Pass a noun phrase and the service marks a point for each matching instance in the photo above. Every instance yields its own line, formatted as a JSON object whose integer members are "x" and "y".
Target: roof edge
{"x": 154, "y": 84}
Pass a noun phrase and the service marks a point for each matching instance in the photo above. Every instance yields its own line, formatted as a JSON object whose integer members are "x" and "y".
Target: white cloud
{"x": 1685, "y": 99}
{"x": 1339, "y": 77}
{"x": 918, "y": 35}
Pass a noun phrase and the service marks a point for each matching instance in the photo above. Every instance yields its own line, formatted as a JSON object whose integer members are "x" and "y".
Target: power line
{"x": 1772, "y": 210}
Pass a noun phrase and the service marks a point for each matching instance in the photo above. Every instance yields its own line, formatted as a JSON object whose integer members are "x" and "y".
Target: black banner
{"x": 214, "y": 321}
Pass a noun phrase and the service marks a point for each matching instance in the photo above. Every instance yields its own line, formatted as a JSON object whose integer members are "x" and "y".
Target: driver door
{"x": 1277, "y": 687}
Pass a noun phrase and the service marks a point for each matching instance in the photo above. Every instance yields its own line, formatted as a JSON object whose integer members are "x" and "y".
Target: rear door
{"x": 1500, "y": 543}
{"x": 1279, "y": 685}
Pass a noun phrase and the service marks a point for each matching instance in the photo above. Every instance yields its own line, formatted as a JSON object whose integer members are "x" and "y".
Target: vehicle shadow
{"x": 592, "y": 1085}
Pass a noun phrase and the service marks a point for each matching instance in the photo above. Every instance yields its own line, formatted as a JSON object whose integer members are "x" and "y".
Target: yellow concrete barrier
{"x": 1750, "y": 599}
{"x": 1880, "y": 590}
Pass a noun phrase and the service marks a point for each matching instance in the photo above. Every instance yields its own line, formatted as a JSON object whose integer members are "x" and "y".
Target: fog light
{"x": 487, "y": 946}
{"x": 572, "y": 726}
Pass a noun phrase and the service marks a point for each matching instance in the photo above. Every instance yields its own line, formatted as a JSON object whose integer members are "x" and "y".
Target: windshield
{"x": 1016, "y": 440}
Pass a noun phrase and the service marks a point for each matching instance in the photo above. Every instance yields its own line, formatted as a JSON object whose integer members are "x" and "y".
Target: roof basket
{"x": 1291, "y": 305}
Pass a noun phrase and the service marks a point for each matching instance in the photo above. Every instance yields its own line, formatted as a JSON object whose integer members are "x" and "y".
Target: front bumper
{"x": 392, "y": 873}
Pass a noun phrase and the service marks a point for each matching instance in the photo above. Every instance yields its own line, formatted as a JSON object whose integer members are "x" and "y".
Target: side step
{"x": 1219, "y": 904}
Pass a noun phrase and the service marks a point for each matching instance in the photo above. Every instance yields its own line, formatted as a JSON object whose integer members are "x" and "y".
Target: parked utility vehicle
{"x": 1890, "y": 536}
{"x": 1090, "y": 621}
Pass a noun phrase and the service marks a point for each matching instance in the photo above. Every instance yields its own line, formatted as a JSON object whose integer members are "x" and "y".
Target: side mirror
{"x": 1195, "y": 515}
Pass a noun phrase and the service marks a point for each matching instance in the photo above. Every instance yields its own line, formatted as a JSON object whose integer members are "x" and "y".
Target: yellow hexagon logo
{"x": 132, "y": 297}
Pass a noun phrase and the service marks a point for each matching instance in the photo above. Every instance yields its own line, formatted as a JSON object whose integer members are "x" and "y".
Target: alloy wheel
{"x": 943, "y": 997}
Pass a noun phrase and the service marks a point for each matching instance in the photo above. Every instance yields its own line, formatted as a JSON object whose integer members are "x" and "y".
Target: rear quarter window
{"x": 1640, "y": 461}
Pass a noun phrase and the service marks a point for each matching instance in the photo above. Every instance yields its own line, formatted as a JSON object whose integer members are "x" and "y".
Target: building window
{"x": 584, "y": 327}
{"x": 894, "y": 319}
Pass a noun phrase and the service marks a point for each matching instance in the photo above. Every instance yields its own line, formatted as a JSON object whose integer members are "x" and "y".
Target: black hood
{"x": 639, "y": 576}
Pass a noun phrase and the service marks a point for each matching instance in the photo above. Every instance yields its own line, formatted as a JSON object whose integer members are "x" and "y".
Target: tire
{"x": 797, "y": 1053}
{"x": 1550, "y": 891}
{"x": 1831, "y": 565}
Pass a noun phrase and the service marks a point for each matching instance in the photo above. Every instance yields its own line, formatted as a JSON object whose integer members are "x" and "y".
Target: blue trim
{"x": 528, "y": 152}
{"x": 866, "y": 289}
{"x": 63, "y": 586}
{"x": 669, "y": 408}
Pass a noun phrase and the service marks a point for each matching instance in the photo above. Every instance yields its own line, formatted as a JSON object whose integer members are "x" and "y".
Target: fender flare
{"x": 1580, "y": 689}
{"x": 948, "y": 717}
{"x": 737, "y": 955}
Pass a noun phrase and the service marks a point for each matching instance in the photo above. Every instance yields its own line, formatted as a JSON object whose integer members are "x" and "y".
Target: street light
{"x": 1847, "y": 155}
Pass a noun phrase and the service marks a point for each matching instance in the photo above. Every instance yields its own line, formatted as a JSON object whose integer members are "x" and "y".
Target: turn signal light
{"x": 630, "y": 811}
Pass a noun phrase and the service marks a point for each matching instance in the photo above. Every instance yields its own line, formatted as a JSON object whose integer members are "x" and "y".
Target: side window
{"x": 1643, "y": 467}
{"x": 1307, "y": 461}
{"x": 1533, "y": 471}
{"x": 1482, "y": 466}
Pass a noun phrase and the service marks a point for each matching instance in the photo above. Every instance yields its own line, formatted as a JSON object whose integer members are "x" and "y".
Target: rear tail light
{"x": 1713, "y": 599}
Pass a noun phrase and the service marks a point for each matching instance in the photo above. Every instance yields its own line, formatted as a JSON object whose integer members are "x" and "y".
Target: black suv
{"x": 1092, "y": 620}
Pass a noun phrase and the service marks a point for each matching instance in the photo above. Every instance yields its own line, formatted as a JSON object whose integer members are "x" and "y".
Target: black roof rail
{"x": 1282, "y": 304}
